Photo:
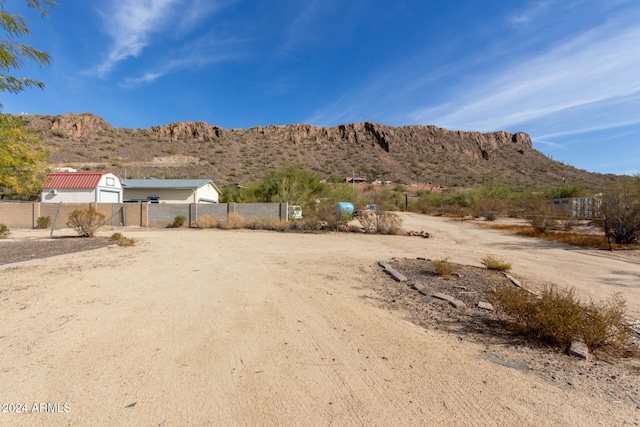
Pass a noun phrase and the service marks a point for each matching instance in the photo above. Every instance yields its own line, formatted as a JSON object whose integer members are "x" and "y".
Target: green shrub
{"x": 493, "y": 263}
{"x": 179, "y": 221}
{"x": 443, "y": 268}
{"x": 85, "y": 222}
{"x": 564, "y": 191}
{"x": 4, "y": 231}
{"x": 43, "y": 222}
{"x": 557, "y": 317}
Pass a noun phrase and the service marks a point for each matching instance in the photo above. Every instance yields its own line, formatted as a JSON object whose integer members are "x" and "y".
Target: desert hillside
{"x": 406, "y": 154}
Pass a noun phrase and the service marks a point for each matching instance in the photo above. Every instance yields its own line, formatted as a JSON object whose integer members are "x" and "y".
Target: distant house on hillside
{"x": 171, "y": 190}
{"x": 81, "y": 187}
{"x": 355, "y": 180}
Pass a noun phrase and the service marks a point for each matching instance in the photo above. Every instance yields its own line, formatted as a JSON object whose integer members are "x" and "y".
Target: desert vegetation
{"x": 178, "y": 221}
{"x": 381, "y": 222}
{"x": 43, "y": 222}
{"x": 493, "y": 263}
{"x": 557, "y": 317}
{"x": 4, "y": 231}
{"x": 443, "y": 268}
{"x": 120, "y": 240}
{"x": 619, "y": 212}
{"x": 85, "y": 222}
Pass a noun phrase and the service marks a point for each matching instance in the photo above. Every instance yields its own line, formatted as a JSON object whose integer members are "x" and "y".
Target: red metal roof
{"x": 72, "y": 180}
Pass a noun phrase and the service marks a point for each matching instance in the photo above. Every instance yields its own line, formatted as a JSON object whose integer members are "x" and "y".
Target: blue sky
{"x": 565, "y": 71}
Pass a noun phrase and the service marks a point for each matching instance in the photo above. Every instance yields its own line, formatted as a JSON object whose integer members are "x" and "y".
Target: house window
{"x": 111, "y": 182}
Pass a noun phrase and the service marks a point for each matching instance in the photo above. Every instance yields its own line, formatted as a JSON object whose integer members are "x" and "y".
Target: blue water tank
{"x": 344, "y": 208}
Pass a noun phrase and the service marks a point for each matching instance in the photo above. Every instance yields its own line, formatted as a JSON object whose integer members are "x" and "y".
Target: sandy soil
{"x": 210, "y": 327}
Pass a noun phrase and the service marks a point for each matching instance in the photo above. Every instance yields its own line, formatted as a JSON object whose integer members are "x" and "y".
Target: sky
{"x": 567, "y": 72}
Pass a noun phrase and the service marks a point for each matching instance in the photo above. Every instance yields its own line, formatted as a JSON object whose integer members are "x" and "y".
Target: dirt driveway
{"x": 210, "y": 327}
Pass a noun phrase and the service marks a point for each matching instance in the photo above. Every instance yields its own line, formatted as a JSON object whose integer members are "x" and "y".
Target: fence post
{"x": 55, "y": 220}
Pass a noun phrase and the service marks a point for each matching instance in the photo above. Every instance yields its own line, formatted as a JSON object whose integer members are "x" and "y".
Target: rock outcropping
{"x": 472, "y": 144}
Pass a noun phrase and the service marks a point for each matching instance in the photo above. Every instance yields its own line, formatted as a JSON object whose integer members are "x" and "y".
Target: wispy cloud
{"x": 532, "y": 11}
{"x": 149, "y": 77}
{"x": 582, "y": 82}
{"x": 131, "y": 24}
{"x": 208, "y": 49}
{"x": 197, "y": 11}
{"x": 596, "y": 67}
{"x": 547, "y": 143}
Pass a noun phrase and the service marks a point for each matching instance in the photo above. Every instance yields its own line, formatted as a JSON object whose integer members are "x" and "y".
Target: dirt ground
{"x": 211, "y": 327}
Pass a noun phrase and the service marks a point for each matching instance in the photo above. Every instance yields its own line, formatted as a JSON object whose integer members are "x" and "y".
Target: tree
{"x": 22, "y": 159}
{"x": 22, "y": 156}
{"x": 13, "y": 53}
{"x": 289, "y": 183}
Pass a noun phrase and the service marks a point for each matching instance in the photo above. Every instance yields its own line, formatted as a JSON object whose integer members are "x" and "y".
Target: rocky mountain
{"x": 405, "y": 154}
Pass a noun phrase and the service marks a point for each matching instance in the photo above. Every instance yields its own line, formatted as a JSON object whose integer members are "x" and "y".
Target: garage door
{"x": 108, "y": 196}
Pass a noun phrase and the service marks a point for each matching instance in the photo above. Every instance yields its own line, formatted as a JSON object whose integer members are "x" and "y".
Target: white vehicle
{"x": 295, "y": 212}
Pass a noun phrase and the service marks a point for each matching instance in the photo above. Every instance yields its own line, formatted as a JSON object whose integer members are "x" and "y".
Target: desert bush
{"x": 443, "y": 268}
{"x": 179, "y": 221}
{"x": 4, "y": 231}
{"x": 121, "y": 240}
{"x": 43, "y": 222}
{"x": 488, "y": 209}
{"x": 85, "y": 222}
{"x": 234, "y": 221}
{"x": 557, "y": 317}
{"x": 604, "y": 323}
{"x": 493, "y": 263}
{"x": 382, "y": 222}
{"x": 306, "y": 224}
{"x": 207, "y": 221}
{"x": 325, "y": 213}
{"x": 620, "y": 213}
{"x": 541, "y": 215}
{"x": 266, "y": 223}
{"x": 569, "y": 223}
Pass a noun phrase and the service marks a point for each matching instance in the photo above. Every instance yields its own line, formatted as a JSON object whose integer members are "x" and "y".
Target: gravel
{"x": 29, "y": 249}
{"x": 617, "y": 379}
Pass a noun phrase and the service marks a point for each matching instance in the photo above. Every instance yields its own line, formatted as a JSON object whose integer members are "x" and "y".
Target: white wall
{"x": 208, "y": 192}
{"x": 170, "y": 196}
{"x": 69, "y": 196}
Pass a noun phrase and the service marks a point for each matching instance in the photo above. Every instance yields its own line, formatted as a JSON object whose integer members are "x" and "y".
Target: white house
{"x": 582, "y": 207}
{"x": 171, "y": 190}
{"x": 81, "y": 187}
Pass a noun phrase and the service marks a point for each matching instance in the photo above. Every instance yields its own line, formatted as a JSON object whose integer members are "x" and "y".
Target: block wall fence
{"x": 26, "y": 214}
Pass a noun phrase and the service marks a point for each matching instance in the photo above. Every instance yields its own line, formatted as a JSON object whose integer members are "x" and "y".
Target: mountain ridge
{"x": 404, "y": 154}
